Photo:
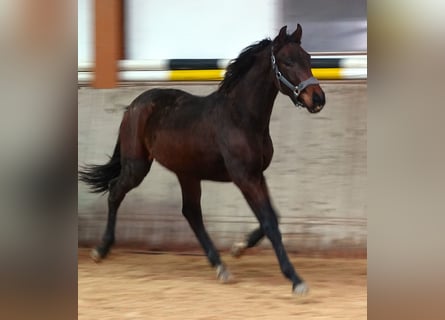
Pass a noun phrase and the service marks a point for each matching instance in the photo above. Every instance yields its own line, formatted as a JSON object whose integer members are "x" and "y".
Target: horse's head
{"x": 292, "y": 68}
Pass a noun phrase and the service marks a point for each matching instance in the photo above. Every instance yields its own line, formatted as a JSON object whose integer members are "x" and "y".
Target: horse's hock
{"x": 316, "y": 178}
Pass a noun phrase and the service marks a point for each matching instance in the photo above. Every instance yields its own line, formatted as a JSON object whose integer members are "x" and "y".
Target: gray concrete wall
{"x": 317, "y": 178}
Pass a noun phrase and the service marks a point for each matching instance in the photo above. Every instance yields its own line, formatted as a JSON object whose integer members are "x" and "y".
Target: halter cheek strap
{"x": 296, "y": 90}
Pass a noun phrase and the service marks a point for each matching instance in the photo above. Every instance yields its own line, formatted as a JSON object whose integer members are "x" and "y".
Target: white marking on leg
{"x": 301, "y": 289}
{"x": 238, "y": 248}
{"x": 95, "y": 255}
{"x": 224, "y": 275}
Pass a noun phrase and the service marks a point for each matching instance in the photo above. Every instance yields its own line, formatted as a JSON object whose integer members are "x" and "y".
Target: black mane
{"x": 239, "y": 67}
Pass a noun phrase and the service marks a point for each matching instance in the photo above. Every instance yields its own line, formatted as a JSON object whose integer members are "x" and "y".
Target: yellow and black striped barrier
{"x": 324, "y": 67}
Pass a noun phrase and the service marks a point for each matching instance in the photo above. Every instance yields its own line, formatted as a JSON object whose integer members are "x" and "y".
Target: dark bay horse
{"x": 221, "y": 137}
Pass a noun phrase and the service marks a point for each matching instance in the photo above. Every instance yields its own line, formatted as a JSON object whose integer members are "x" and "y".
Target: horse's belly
{"x": 194, "y": 167}
{"x": 193, "y": 156}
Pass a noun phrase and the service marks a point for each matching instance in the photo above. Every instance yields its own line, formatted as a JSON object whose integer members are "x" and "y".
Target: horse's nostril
{"x": 318, "y": 100}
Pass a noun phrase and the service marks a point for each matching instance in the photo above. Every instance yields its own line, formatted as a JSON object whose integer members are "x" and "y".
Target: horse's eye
{"x": 288, "y": 63}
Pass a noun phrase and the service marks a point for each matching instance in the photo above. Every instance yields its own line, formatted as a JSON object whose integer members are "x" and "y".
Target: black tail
{"x": 98, "y": 177}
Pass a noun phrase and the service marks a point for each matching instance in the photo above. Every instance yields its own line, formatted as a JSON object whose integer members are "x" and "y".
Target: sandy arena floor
{"x": 172, "y": 286}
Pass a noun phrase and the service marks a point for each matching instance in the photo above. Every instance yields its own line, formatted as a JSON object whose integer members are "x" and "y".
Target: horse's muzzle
{"x": 317, "y": 109}
{"x": 318, "y": 102}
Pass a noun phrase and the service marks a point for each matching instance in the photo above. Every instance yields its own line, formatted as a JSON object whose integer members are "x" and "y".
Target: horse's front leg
{"x": 256, "y": 193}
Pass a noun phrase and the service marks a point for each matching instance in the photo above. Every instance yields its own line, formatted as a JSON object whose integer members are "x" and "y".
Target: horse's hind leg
{"x": 191, "y": 209}
{"x": 251, "y": 240}
{"x": 131, "y": 175}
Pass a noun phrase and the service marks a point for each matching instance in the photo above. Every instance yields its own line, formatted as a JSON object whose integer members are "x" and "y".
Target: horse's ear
{"x": 296, "y": 36}
{"x": 281, "y": 38}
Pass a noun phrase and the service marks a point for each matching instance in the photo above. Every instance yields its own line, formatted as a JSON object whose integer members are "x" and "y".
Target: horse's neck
{"x": 256, "y": 92}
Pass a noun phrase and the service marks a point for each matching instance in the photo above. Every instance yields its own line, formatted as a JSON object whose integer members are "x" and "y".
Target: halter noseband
{"x": 296, "y": 90}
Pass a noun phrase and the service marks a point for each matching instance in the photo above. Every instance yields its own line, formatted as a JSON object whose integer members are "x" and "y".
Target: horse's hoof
{"x": 300, "y": 289}
{"x": 224, "y": 275}
{"x": 238, "y": 249}
{"x": 95, "y": 255}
